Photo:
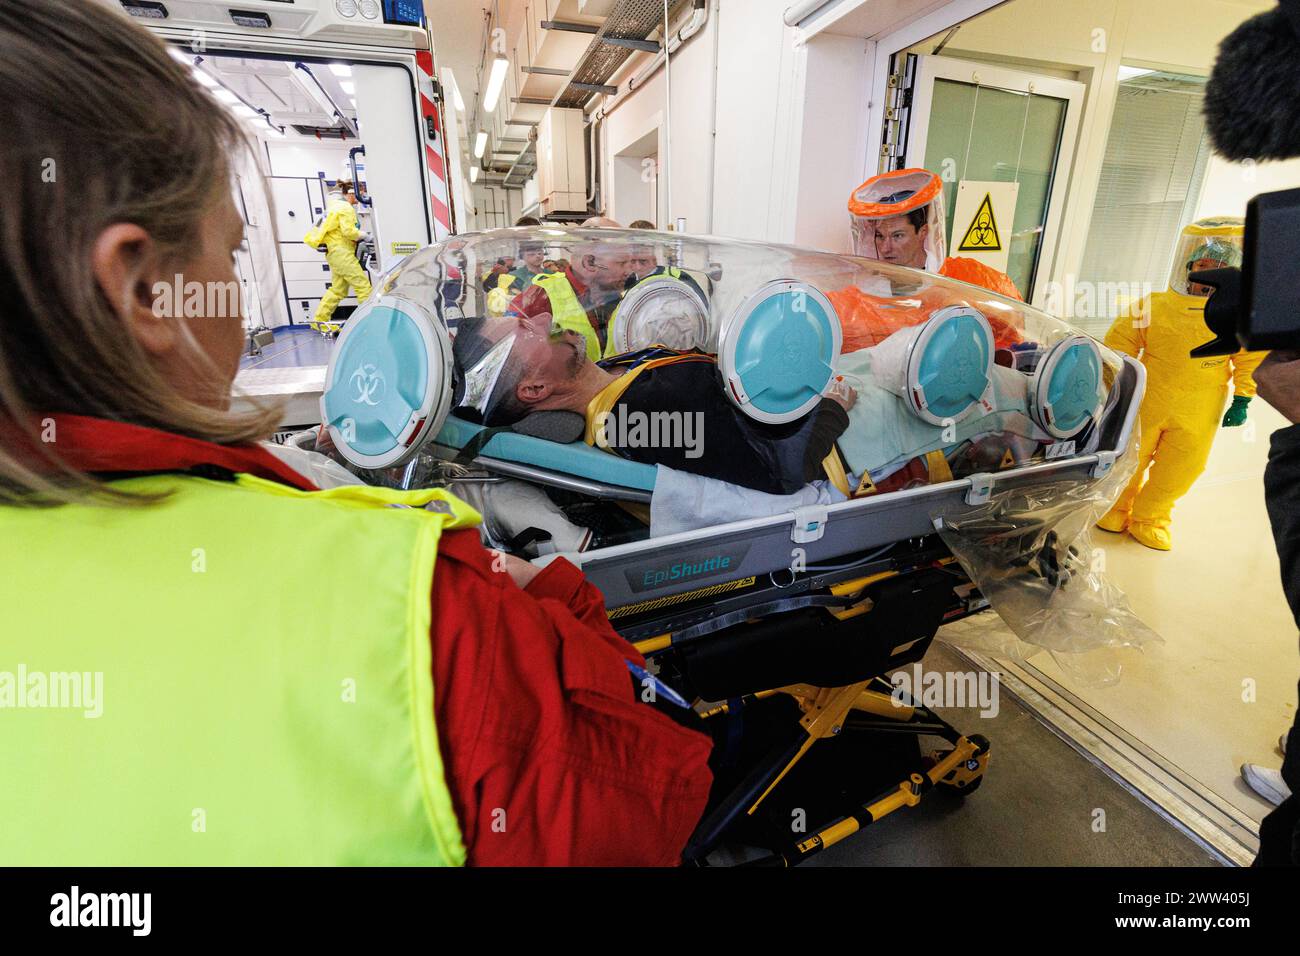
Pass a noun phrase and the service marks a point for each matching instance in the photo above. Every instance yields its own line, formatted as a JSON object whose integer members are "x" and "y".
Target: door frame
{"x": 930, "y": 68}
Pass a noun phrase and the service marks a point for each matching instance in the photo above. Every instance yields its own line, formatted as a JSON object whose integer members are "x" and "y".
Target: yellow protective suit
{"x": 1181, "y": 412}
{"x": 339, "y": 233}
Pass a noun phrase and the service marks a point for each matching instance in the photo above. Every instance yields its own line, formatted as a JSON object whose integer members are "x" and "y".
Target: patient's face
{"x": 555, "y": 359}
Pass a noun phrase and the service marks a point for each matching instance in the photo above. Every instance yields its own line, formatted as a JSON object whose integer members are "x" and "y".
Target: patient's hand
{"x": 842, "y": 394}
{"x": 520, "y": 571}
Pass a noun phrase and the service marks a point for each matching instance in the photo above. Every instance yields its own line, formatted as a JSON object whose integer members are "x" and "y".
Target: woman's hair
{"x": 104, "y": 126}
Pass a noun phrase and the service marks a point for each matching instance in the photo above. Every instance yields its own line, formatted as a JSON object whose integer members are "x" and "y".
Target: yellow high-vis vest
{"x": 566, "y": 311}
{"x": 176, "y": 688}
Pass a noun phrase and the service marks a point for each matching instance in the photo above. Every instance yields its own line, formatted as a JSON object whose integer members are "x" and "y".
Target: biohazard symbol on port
{"x": 982, "y": 234}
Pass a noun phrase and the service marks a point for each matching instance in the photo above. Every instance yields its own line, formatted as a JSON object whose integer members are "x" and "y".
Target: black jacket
{"x": 731, "y": 446}
{"x": 1282, "y": 495}
{"x": 1279, "y": 833}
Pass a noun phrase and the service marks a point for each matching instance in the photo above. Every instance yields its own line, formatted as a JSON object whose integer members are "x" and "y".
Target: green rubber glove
{"x": 1236, "y": 413}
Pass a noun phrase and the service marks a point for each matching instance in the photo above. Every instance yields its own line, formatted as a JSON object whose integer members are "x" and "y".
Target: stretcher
{"x": 802, "y": 612}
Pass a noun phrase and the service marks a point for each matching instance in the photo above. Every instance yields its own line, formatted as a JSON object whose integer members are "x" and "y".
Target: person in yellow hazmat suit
{"x": 1183, "y": 407}
{"x": 338, "y": 234}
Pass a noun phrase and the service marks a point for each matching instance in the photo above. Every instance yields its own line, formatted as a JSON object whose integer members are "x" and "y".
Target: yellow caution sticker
{"x": 982, "y": 233}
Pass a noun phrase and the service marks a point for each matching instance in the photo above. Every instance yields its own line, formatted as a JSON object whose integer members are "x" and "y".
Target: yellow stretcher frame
{"x": 825, "y": 711}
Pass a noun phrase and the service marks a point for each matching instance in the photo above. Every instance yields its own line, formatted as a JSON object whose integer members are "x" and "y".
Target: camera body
{"x": 1257, "y": 307}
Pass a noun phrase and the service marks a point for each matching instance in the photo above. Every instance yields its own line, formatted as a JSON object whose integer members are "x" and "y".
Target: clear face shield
{"x": 481, "y": 373}
{"x": 898, "y": 217}
{"x": 1206, "y": 244}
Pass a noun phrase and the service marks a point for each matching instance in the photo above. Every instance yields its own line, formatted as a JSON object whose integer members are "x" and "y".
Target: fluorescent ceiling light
{"x": 226, "y": 96}
{"x": 480, "y": 144}
{"x": 205, "y": 78}
{"x": 239, "y": 109}
{"x": 473, "y": 174}
{"x": 340, "y": 69}
{"x": 1132, "y": 73}
{"x": 348, "y": 87}
{"x": 495, "y": 81}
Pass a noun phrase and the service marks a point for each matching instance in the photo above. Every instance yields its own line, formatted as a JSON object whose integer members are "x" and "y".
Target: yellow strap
{"x": 833, "y": 465}
{"x": 608, "y": 397}
{"x": 937, "y": 464}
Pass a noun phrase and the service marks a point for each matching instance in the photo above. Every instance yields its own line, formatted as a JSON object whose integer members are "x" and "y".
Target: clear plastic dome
{"x": 788, "y": 326}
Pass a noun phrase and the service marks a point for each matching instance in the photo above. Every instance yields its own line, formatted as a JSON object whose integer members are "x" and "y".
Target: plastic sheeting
{"x": 1032, "y": 550}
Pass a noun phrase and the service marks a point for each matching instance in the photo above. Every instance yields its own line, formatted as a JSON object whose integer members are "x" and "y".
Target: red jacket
{"x": 550, "y": 756}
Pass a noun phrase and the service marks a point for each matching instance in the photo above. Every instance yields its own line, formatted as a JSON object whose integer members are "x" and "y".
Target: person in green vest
{"x": 165, "y": 699}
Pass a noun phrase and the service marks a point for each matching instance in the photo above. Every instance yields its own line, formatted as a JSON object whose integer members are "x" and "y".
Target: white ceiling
{"x": 458, "y": 29}
{"x": 270, "y": 85}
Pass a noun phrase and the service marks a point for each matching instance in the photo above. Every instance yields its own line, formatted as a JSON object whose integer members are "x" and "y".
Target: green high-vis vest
{"x": 238, "y": 674}
{"x": 567, "y": 312}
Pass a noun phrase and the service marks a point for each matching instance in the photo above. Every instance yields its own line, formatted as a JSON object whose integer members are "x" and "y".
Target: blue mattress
{"x": 577, "y": 458}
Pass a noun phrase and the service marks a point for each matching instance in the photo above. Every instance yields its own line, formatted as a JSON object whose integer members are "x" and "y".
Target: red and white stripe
{"x": 434, "y": 152}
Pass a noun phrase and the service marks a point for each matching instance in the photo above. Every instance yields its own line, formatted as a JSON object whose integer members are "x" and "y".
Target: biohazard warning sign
{"x": 982, "y": 221}
{"x": 982, "y": 233}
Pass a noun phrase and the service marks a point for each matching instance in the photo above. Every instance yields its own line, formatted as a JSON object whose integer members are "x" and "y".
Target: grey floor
{"x": 1036, "y": 807}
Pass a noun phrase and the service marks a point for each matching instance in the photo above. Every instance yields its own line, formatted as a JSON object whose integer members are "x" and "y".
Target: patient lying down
{"x": 716, "y": 464}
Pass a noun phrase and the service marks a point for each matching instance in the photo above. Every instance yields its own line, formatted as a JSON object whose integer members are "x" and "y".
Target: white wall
{"x": 759, "y": 108}
{"x": 496, "y": 207}
{"x": 643, "y": 112}
{"x": 1091, "y": 41}
{"x": 1229, "y": 186}
{"x": 735, "y": 116}
{"x": 833, "y": 141}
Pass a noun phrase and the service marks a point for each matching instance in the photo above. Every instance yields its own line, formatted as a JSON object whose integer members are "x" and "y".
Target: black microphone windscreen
{"x": 1252, "y": 99}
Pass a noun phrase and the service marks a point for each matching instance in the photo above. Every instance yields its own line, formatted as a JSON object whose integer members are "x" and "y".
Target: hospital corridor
{"x": 607, "y": 435}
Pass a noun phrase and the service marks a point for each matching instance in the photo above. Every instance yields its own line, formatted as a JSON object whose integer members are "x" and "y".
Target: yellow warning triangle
{"x": 1008, "y": 460}
{"x": 982, "y": 233}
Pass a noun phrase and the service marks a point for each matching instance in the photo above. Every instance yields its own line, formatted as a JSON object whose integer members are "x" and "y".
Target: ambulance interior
{"x": 314, "y": 123}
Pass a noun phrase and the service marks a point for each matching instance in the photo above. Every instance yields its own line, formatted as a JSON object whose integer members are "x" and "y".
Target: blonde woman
{"x": 172, "y": 701}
